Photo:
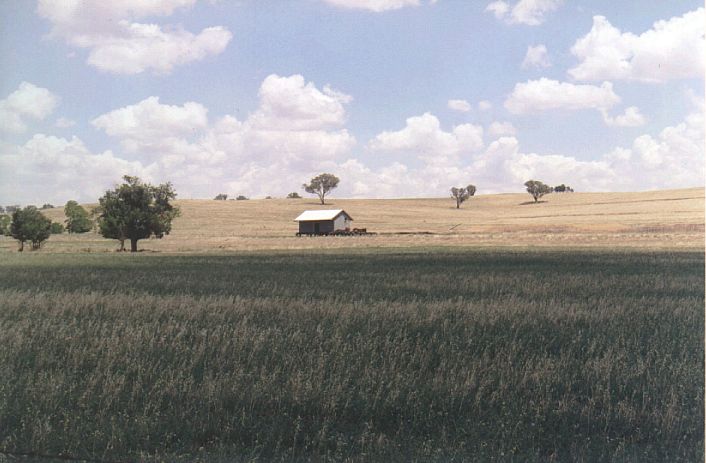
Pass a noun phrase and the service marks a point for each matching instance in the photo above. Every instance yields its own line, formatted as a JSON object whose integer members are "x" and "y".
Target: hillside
{"x": 670, "y": 218}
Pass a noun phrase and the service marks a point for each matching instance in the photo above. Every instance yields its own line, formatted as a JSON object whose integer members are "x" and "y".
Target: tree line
{"x": 136, "y": 210}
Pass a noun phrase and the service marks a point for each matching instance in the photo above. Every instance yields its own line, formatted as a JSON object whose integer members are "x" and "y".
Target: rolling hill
{"x": 654, "y": 219}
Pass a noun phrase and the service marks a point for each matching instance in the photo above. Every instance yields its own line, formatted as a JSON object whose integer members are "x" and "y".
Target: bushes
{"x": 29, "y": 224}
{"x": 56, "y": 228}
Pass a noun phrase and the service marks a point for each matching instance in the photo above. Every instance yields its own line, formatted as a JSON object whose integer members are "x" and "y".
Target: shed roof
{"x": 325, "y": 214}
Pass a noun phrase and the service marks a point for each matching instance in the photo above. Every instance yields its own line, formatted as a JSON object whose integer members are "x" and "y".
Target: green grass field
{"x": 451, "y": 355}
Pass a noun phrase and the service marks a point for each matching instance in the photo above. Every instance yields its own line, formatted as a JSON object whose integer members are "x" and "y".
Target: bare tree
{"x": 462, "y": 194}
{"x": 321, "y": 185}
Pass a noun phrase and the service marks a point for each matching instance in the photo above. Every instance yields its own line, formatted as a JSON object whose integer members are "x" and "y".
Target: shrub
{"x": 56, "y": 228}
{"x": 29, "y": 224}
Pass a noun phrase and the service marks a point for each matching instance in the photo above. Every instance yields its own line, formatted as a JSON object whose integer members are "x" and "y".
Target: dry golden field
{"x": 655, "y": 219}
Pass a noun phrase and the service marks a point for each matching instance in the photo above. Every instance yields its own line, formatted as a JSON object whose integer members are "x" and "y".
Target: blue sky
{"x": 399, "y": 98}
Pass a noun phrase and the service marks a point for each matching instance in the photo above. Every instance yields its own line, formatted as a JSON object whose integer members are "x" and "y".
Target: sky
{"x": 398, "y": 98}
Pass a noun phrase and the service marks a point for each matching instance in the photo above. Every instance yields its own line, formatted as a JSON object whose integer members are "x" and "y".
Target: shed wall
{"x": 309, "y": 227}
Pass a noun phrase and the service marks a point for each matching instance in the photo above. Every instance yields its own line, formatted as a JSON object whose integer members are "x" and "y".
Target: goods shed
{"x": 323, "y": 222}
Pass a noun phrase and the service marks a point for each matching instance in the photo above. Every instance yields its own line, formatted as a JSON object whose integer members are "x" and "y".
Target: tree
{"x": 47, "y": 206}
{"x": 56, "y": 228}
{"x": 135, "y": 211}
{"x": 537, "y": 189}
{"x": 321, "y": 185}
{"x": 29, "y": 224}
{"x": 77, "y": 219}
{"x": 5, "y": 221}
{"x": 11, "y": 209}
{"x": 241, "y": 198}
{"x": 462, "y": 194}
{"x": 221, "y": 197}
{"x": 293, "y": 195}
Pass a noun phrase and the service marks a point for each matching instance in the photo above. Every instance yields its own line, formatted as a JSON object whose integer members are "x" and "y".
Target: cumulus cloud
{"x": 261, "y": 155}
{"x": 485, "y": 105}
{"x": 48, "y": 168}
{"x": 27, "y": 102}
{"x": 64, "y": 123}
{"x": 149, "y": 119}
{"x": 528, "y": 12}
{"x": 291, "y": 103}
{"x": 459, "y": 105}
{"x": 118, "y": 44}
{"x": 422, "y": 137}
{"x": 295, "y": 131}
{"x": 536, "y": 57}
{"x": 545, "y": 94}
{"x": 630, "y": 118}
{"x": 376, "y": 6}
{"x": 671, "y": 49}
{"x": 497, "y": 129}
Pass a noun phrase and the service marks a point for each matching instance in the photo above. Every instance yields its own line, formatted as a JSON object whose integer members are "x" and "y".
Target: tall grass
{"x": 447, "y": 356}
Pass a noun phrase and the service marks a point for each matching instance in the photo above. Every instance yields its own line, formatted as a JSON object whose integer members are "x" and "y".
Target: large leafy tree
{"x": 29, "y": 224}
{"x": 537, "y": 189}
{"x": 135, "y": 211}
{"x": 462, "y": 194}
{"x": 321, "y": 185}
{"x": 77, "y": 220}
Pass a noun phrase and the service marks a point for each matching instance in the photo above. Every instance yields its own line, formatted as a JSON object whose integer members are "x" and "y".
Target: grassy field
{"x": 656, "y": 219}
{"x": 429, "y": 355}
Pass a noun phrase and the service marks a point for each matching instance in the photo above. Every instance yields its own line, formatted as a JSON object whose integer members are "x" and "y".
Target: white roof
{"x": 325, "y": 214}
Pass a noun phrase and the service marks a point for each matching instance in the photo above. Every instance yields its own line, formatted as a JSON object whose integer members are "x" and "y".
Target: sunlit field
{"x": 672, "y": 219}
{"x": 419, "y": 354}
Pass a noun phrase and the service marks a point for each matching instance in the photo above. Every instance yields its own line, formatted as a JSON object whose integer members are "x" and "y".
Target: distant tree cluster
{"x": 293, "y": 195}
{"x": 563, "y": 189}
{"x": 221, "y": 197}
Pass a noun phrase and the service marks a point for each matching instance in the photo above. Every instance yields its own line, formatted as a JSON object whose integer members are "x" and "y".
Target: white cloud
{"x": 64, "y": 123}
{"x": 51, "y": 169}
{"x": 149, "y": 120}
{"x": 202, "y": 158}
{"x": 485, "y": 105}
{"x": 545, "y": 94}
{"x": 630, "y": 118}
{"x": 459, "y": 105}
{"x": 672, "y": 49}
{"x": 528, "y": 12}
{"x": 497, "y": 129}
{"x": 423, "y": 138}
{"x": 673, "y": 159}
{"x": 376, "y": 6}
{"x": 291, "y": 103}
{"x": 295, "y": 131}
{"x": 536, "y": 57}
{"x": 27, "y": 102}
{"x": 118, "y": 44}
